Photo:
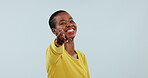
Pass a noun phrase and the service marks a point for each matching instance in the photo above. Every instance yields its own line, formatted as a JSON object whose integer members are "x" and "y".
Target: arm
{"x": 55, "y": 50}
{"x": 53, "y": 53}
{"x": 86, "y": 65}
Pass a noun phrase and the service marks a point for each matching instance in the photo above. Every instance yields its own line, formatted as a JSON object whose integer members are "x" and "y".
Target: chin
{"x": 71, "y": 36}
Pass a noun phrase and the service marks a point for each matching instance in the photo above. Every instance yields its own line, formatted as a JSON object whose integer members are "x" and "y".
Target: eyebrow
{"x": 70, "y": 18}
{"x": 64, "y": 20}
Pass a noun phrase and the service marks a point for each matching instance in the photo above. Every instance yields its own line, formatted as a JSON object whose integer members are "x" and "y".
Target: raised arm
{"x": 55, "y": 50}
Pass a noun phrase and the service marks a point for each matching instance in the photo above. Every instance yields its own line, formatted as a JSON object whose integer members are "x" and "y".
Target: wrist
{"x": 56, "y": 43}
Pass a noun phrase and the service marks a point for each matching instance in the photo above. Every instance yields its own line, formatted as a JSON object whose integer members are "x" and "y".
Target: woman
{"x": 62, "y": 60}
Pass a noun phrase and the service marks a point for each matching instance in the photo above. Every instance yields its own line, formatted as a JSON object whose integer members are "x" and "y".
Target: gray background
{"x": 113, "y": 34}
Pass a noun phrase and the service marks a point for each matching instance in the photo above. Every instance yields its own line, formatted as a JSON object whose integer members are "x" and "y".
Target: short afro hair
{"x": 52, "y": 20}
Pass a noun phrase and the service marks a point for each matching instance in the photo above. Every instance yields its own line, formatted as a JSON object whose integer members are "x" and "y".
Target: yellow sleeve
{"x": 53, "y": 53}
{"x": 86, "y": 65}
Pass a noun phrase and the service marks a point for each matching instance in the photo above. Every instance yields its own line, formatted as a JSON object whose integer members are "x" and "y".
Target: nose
{"x": 68, "y": 25}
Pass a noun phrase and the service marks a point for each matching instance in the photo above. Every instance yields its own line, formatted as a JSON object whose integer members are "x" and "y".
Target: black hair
{"x": 52, "y": 20}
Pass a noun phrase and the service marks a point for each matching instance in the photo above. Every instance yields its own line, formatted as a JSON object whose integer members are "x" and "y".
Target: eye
{"x": 62, "y": 23}
{"x": 71, "y": 21}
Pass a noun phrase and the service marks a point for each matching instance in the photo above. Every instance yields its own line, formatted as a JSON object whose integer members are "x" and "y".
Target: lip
{"x": 70, "y": 30}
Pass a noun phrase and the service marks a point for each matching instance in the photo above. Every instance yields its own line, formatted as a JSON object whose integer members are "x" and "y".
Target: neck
{"x": 69, "y": 47}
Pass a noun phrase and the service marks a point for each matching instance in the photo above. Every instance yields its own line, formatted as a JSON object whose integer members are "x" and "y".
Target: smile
{"x": 71, "y": 30}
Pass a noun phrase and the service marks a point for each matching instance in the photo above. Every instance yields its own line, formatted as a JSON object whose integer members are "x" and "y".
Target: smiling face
{"x": 64, "y": 23}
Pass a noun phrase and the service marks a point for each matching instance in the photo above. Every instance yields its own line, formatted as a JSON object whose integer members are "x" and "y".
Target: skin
{"x": 63, "y": 23}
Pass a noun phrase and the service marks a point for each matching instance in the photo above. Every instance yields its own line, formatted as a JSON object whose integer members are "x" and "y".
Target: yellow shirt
{"x": 59, "y": 64}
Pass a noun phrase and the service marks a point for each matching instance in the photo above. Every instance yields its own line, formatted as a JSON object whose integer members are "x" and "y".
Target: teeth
{"x": 70, "y": 30}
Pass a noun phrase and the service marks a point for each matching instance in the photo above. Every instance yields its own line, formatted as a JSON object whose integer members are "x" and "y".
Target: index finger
{"x": 61, "y": 31}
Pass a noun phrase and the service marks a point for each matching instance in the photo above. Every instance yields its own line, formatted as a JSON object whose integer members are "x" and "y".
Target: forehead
{"x": 62, "y": 16}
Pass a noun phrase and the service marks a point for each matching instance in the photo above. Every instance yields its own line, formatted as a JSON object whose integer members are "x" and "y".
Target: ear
{"x": 54, "y": 31}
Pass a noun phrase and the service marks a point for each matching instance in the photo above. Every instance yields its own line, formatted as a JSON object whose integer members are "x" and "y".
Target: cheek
{"x": 60, "y": 27}
{"x": 76, "y": 27}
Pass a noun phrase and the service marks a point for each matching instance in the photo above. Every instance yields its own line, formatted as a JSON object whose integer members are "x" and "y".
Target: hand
{"x": 61, "y": 38}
